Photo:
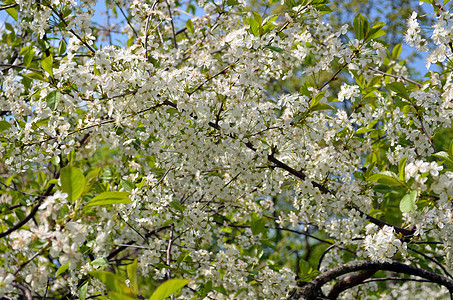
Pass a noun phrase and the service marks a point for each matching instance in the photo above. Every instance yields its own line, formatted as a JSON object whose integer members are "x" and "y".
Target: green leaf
{"x": 189, "y": 26}
{"x": 13, "y": 13}
{"x": 254, "y": 26}
{"x": 28, "y": 57}
{"x": 401, "y": 168}
{"x": 100, "y": 261}
{"x": 399, "y": 89}
{"x": 321, "y": 106}
{"x": 442, "y": 155}
{"x": 61, "y": 269}
{"x": 257, "y": 17}
{"x": 132, "y": 275}
{"x": 363, "y": 130}
{"x": 375, "y": 31}
{"x": 182, "y": 257}
{"x": 270, "y": 19}
{"x": 382, "y": 189}
{"x": 130, "y": 41}
{"x": 445, "y": 157}
{"x": 114, "y": 282}
{"x": 72, "y": 182}
{"x": 47, "y": 65}
{"x": 386, "y": 177}
{"x": 258, "y": 226}
{"x": 316, "y": 99}
{"x": 36, "y": 76}
{"x": 177, "y": 205}
{"x": 61, "y": 47}
{"x": 9, "y": 26}
{"x": 232, "y": 2}
{"x": 276, "y": 49}
{"x": 407, "y": 204}
{"x": 360, "y": 79}
{"x": 397, "y": 51}
{"x": 127, "y": 184}
{"x": 107, "y": 198}
{"x": 361, "y": 26}
{"x": 53, "y": 98}
{"x": 83, "y": 291}
{"x": 304, "y": 266}
{"x": 4, "y": 125}
{"x": 167, "y": 288}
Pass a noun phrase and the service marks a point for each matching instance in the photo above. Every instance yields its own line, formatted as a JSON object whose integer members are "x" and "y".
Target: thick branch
{"x": 349, "y": 282}
{"x": 312, "y": 290}
{"x": 26, "y": 292}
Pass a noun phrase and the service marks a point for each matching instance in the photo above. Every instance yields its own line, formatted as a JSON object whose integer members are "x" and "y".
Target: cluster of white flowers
{"x": 348, "y": 92}
{"x": 413, "y": 37}
{"x": 383, "y": 245}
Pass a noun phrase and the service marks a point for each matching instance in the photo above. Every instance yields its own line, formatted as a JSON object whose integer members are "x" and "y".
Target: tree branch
{"x": 31, "y": 214}
{"x": 312, "y": 290}
{"x": 397, "y": 77}
{"x": 349, "y": 282}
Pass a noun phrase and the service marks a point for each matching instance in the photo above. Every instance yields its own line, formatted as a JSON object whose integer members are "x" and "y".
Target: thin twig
{"x": 166, "y": 102}
{"x": 212, "y": 77}
{"x": 32, "y": 212}
{"x": 17, "y": 190}
{"x": 146, "y": 36}
{"x": 431, "y": 259}
{"x": 23, "y": 265}
{"x": 8, "y": 6}
{"x": 72, "y": 31}
{"x": 9, "y": 66}
{"x": 397, "y": 77}
{"x": 396, "y": 279}
{"x": 172, "y": 24}
{"x": 170, "y": 242}
{"x": 128, "y": 21}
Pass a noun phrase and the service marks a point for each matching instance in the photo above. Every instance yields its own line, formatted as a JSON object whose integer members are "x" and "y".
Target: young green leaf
{"x": 114, "y": 282}
{"x": 258, "y": 226}
{"x": 53, "y": 98}
{"x": 254, "y": 26}
{"x": 189, "y": 26}
{"x": 61, "y": 47}
{"x": 375, "y": 31}
{"x": 13, "y": 13}
{"x": 276, "y": 49}
{"x": 399, "y": 89}
{"x": 107, "y": 198}
{"x": 167, "y": 288}
{"x": 72, "y": 182}
{"x": 132, "y": 275}
{"x": 402, "y": 168}
{"x": 4, "y": 125}
{"x": 61, "y": 269}
{"x": 47, "y": 65}
{"x": 407, "y": 204}
{"x": 100, "y": 261}
{"x": 397, "y": 51}
{"x": 361, "y": 26}
{"x": 386, "y": 177}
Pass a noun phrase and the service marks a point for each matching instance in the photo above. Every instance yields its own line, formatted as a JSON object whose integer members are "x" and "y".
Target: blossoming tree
{"x": 180, "y": 164}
